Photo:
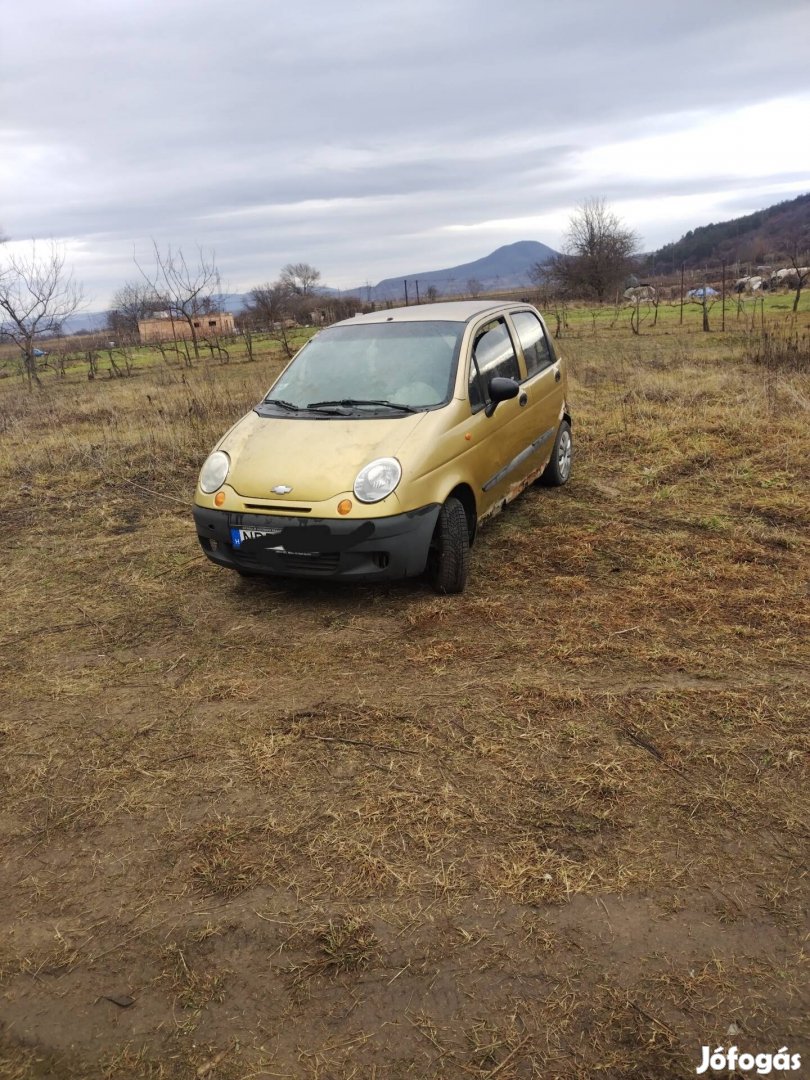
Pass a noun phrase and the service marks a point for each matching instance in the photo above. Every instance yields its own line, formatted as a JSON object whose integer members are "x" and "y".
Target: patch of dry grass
{"x": 556, "y": 826}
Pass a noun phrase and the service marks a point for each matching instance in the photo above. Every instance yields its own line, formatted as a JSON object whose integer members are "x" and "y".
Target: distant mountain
{"x": 767, "y": 236}
{"x": 86, "y": 322}
{"x": 505, "y": 268}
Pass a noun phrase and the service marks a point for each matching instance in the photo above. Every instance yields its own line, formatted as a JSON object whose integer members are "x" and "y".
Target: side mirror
{"x": 500, "y": 389}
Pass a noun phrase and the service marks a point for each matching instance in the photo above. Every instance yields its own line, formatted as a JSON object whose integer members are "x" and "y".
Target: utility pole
{"x": 681, "y": 294}
{"x": 417, "y": 292}
{"x": 406, "y": 292}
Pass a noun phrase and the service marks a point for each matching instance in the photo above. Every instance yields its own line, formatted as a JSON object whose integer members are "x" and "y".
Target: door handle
{"x": 557, "y": 376}
{"x": 523, "y": 398}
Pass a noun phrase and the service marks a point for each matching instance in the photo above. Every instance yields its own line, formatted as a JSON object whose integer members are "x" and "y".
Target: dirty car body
{"x": 385, "y": 442}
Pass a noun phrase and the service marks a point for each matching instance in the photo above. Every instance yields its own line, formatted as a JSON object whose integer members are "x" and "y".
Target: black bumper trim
{"x": 369, "y": 549}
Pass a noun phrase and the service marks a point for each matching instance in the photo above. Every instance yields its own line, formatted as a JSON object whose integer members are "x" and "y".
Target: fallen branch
{"x": 157, "y": 494}
{"x": 45, "y": 630}
{"x": 508, "y": 1058}
{"x": 359, "y": 742}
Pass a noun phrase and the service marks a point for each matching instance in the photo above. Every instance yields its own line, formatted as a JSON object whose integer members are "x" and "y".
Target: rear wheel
{"x": 559, "y": 468}
{"x": 449, "y": 555}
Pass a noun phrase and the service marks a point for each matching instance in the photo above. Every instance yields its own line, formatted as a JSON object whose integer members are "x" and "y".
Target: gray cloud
{"x": 355, "y": 135}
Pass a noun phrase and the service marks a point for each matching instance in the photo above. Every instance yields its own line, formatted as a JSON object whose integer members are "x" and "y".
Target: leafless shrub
{"x": 780, "y": 348}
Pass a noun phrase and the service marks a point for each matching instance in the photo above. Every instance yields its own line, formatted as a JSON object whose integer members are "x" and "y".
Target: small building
{"x": 162, "y": 326}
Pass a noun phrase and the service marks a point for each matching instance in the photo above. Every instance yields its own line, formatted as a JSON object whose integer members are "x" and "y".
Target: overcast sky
{"x": 374, "y": 139}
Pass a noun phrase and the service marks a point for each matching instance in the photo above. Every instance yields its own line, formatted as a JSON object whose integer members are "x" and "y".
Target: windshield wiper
{"x": 348, "y": 403}
{"x": 282, "y": 404}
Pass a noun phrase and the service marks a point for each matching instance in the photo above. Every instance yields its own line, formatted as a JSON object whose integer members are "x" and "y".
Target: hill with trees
{"x": 766, "y": 236}
{"x": 509, "y": 267}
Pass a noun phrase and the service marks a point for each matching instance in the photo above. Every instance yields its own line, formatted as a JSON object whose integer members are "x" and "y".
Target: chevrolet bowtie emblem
{"x": 281, "y": 489}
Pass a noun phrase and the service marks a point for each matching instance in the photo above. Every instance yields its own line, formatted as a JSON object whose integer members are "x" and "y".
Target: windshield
{"x": 411, "y": 364}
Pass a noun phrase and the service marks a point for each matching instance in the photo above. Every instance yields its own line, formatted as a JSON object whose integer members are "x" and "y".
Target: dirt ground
{"x": 556, "y": 827}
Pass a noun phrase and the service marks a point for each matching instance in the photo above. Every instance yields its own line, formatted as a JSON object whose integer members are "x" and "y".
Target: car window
{"x": 533, "y": 341}
{"x": 476, "y": 393}
{"x": 493, "y": 354}
{"x": 412, "y": 363}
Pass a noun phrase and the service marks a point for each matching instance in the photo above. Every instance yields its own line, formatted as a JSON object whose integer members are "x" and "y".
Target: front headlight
{"x": 214, "y": 471}
{"x": 377, "y": 480}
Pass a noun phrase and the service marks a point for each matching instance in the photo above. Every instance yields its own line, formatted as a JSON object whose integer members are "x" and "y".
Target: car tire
{"x": 449, "y": 555}
{"x": 558, "y": 470}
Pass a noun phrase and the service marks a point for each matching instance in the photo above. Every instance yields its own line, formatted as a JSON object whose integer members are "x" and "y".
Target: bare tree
{"x": 801, "y": 273}
{"x": 706, "y": 296}
{"x": 599, "y": 251}
{"x": 474, "y": 287}
{"x": 37, "y": 294}
{"x": 185, "y": 290}
{"x": 134, "y": 301}
{"x": 293, "y": 296}
{"x": 269, "y": 304}
{"x": 634, "y": 296}
{"x": 300, "y": 278}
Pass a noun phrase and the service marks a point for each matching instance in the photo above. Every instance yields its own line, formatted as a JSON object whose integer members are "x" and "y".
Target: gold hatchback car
{"x": 383, "y": 444}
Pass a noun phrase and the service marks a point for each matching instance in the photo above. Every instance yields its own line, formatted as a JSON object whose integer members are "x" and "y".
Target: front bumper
{"x": 356, "y": 549}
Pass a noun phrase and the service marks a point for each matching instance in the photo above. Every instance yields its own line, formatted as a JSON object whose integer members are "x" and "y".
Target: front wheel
{"x": 558, "y": 470}
{"x": 449, "y": 555}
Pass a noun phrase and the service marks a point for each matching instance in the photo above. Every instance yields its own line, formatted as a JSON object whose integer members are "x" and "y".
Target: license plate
{"x": 238, "y": 536}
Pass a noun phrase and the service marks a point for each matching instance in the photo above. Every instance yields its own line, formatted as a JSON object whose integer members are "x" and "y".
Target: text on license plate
{"x": 238, "y": 536}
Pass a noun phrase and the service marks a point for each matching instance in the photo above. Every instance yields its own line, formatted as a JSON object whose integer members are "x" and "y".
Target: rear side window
{"x": 532, "y": 341}
{"x": 493, "y": 354}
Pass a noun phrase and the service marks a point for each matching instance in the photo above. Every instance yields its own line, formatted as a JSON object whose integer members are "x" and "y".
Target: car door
{"x": 542, "y": 385}
{"x": 497, "y": 440}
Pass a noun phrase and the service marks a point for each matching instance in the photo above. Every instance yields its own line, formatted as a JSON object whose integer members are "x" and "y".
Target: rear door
{"x": 542, "y": 386}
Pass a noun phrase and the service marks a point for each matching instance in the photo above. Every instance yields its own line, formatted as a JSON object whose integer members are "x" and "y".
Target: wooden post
{"x": 723, "y": 323}
{"x": 682, "y": 294}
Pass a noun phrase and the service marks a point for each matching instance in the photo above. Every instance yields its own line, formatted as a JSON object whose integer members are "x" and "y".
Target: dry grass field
{"x": 556, "y": 827}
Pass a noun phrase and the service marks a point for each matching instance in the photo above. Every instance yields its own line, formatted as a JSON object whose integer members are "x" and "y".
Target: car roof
{"x": 457, "y": 311}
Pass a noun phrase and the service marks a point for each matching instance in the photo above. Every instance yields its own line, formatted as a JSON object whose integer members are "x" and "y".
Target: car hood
{"x": 316, "y": 459}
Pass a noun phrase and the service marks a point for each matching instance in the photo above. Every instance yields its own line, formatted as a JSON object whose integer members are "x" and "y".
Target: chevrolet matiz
{"x": 385, "y": 442}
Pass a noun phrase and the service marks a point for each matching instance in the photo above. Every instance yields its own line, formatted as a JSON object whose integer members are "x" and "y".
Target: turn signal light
{"x": 344, "y": 506}
{"x": 219, "y": 498}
